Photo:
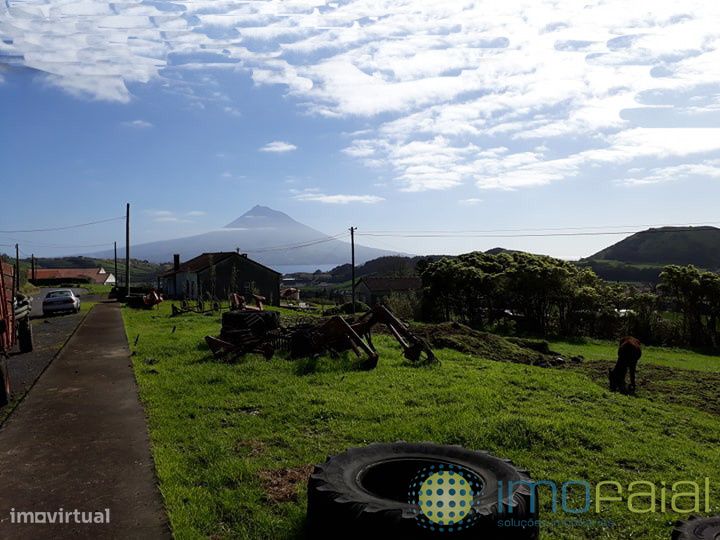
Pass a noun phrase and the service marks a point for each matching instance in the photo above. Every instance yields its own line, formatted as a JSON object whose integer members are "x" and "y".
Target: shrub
{"x": 406, "y": 306}
{"x": 346, "y": 309}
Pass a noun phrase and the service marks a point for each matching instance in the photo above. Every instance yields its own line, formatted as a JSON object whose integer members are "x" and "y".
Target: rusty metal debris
{"x": 199, "y": 306}
{"x": 245, "y": 331}
{"x": 237, "y": 303}
{"x": 144, "y": 301}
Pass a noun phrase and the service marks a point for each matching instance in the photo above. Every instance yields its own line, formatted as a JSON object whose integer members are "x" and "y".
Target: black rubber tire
{"x": 696, "y": 528}
{"x": 25, "y": 335}
{"x": 344, "y": 499}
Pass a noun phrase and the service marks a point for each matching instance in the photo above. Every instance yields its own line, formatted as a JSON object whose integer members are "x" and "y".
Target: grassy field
{"x": 657, "y": 356}
{"x": 231, "y": 441}
{"x": 96, "y": 288}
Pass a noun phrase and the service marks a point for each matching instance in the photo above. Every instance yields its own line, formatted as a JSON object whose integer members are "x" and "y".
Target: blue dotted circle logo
{"x": 444, "y": 495}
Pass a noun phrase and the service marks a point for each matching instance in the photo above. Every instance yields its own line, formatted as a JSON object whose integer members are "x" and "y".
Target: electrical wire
{"x": 599, "y": 227}
{"x": 59, "y": 246}
{"x": 50, "y": 229}
{"x": 300, "y": 245}
{"x": 526, "y": 235}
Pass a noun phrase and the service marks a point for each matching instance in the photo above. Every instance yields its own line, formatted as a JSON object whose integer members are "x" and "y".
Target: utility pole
{"x": 32, "y": 266}
{"x": 117, "y": 278}
{"x": 127, "y": 250}
{"x": 352, "y": 251}
{"x": 17, "y": 268}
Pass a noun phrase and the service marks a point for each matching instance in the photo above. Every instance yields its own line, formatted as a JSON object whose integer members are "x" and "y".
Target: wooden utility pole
{"x": 32, "y": 266}
{"x": 17, "y": 268}
{"x": 352, "y": 251}
{"x": 127, "y": 250}
{"x": 117, "y": 278}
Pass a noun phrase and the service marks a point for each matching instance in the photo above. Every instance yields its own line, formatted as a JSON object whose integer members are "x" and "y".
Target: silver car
{"x": 60, "y": 300}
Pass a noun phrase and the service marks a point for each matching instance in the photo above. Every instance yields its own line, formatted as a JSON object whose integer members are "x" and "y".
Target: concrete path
{"x": 79, "y": 442}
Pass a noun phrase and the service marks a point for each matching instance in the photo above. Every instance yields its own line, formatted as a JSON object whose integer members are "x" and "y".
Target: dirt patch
{"x": 697, "y": 389}
{"x": 485, "y": 345}
{"x": 250, "y": 447}
{"x": 280, "y": 485}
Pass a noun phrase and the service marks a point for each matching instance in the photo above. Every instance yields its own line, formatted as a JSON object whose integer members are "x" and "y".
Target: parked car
{"x": 60, "y": 300}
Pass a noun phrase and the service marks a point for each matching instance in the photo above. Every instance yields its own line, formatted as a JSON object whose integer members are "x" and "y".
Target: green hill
{"x": 667, "y": 245}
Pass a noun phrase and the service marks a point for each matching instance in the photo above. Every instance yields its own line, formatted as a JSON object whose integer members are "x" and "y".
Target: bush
{"x": 346, "y": 309}
{"x": 406, "y": 306}
{"x": 504, "y": 326}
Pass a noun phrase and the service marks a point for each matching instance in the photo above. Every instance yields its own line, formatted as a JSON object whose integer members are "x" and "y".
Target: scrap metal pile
{"x": 237, "y": 303}
{"x": 248, "y": 330}
{"x": 144, "y": 301}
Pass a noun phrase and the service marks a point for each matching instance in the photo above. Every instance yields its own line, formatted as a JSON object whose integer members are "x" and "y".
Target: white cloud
{"x": 138, "y": 124}
{"x": 660, "y": 175}
{"x": 470, "y": 202}
{"x": 658, "y": 143}
{"x": 278, "y": 147}
{"x": 316, "y": 196}
{"x": 232, "y": 111}
{"x": 440, "y": 84}
{"x": 167, "y": 216}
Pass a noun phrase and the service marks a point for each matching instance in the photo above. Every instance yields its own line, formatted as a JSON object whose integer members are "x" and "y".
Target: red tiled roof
{"x": 93, "y": 274}
{"x": 377, "y": 284}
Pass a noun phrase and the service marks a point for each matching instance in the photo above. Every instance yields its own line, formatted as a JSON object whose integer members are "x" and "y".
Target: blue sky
{"x": 397, "y": 117}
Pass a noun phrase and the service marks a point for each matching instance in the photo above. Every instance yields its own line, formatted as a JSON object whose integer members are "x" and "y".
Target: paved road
{"x": 79, "y": 442}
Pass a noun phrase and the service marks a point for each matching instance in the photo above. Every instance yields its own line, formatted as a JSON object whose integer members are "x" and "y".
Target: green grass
{"x": 96, "y": 288}
{"x": 86, "y": 306}
{"x": 216, "y": 427}
{"x": 658, "y": 356}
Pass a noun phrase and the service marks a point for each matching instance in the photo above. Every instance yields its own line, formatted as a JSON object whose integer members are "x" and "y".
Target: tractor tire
{"x": 379, "y": 492}
{"x": 25, "y": 335}
{"x": 697, "y": 528}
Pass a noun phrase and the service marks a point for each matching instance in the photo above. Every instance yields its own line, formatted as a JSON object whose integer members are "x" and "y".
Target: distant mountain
{"x": 267, "y": 236}
{"x": 667, "y": 245}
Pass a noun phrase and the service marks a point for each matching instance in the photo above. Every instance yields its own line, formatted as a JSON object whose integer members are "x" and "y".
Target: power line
{"x": 60, "y": 246}
{"x": 300, "y": 245}
{"x": 50, "y": 229}
{"x": 599, "y": 227}
{"x": 527, "y": 235}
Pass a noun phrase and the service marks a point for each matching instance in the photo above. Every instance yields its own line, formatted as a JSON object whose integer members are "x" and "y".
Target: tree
{"x": 682, "y": 284}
